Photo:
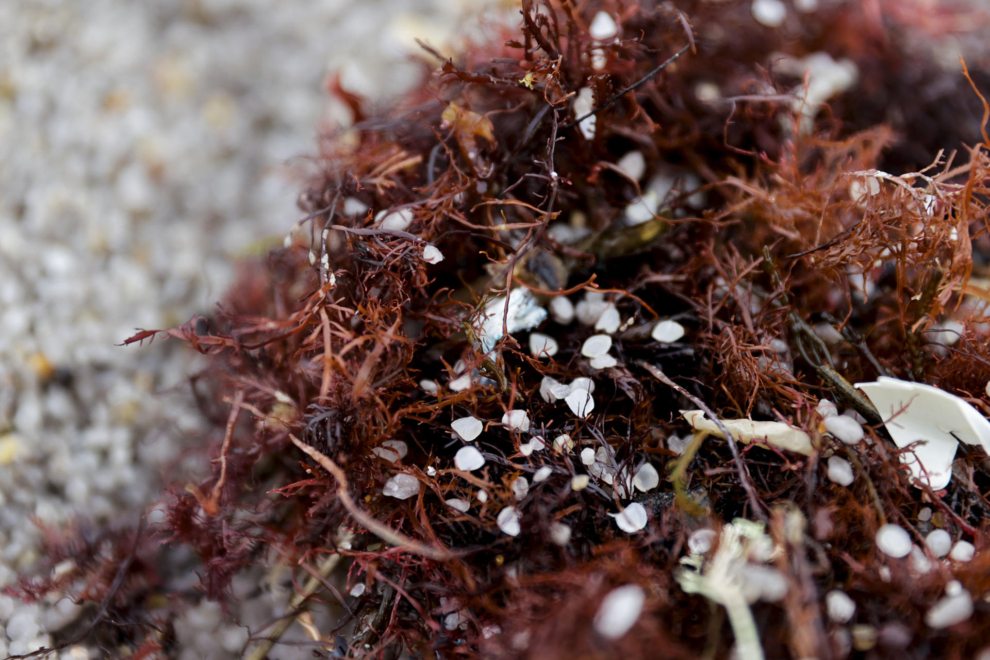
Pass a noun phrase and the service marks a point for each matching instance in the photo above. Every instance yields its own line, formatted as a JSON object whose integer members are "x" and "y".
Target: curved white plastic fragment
{"x": 747, "y": 431}
{"x": 930, "y": 417}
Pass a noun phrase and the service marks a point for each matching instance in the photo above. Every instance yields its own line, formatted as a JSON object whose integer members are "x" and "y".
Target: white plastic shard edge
{"x": 930, "y": 417}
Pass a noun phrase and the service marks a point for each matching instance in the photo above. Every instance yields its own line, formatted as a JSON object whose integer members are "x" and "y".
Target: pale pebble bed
{"x": 144, "y": 150}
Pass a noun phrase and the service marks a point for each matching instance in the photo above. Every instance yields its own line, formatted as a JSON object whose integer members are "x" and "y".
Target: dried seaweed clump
{"x": 463, "y": 373}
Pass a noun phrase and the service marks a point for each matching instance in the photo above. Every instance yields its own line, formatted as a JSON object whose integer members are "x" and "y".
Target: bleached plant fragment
{"x": 619, "y": 611}
{"x": 468, "y": 459}
{"x": 542, "y": 346}
{"x": 468, "y": 428}
{"x": 632, "y": 519}
{"x": 747, "y": 431}
{"x": 646, "y": 478}
{"x": 931, "y": 418}
{"x": 580, "y": 402}
{"x": 432, "y": 255}
{"x": 722, "y": 579}
{"x": 667, "y": 332}
{"x": 401, "y": 486}
{"x": 391, "y": 450}
{"x": 508, "y": 521}
{"x": 517, "y": 420}
{"x": 524, "y": 313}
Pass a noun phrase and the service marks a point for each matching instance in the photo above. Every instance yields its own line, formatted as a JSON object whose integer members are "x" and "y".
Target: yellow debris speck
{"x": 10, "y": 447}
{"x": 527, "y": 80}
{"x": 41, "y": 366}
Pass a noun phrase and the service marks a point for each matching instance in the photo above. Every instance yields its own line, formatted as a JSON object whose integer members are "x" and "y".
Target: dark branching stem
{"x": 744, "y": 478}
{"x": 632, "y": 88}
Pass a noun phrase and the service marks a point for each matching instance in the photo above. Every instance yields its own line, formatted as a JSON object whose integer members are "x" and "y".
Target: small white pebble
{"x": 552, "y": 391}
{"x": 508, "y": 521}
{"x": 580, "y": 482}
{"x": 840, "y": 471}
{"x": 398, "y": 221}
{"x": 458, "y": 504}
{"x": 535, "y": 444}
{"x": 893, "y": 540}
{"x": 939, "y": 542}
{"x": 633, "y": 165}
{"x": 701, "y": 541}
{"x": 358, "y": 589}
{"x": 516, "y": 419}
{"x": 560, "y": 534}
{"x": 667, "y": 332}
{"x": 845, "y": 429}
{"x": 563, "y": 443}
{"x": 468, "y": 428}
{"x": 589, "y": 311}
{"x": 678, "y": 445}
{"x": 770, "y": 13}
{"x": 460, "y": 383}
{"x": 391, "y": 450}
{"x": 596, "y": 345}
{"x": 520, "y": 487}
{"x": 482, "y": 496}
{"x": 646, "y": 478}
{"x": 561, "y": 310}
{"x": 468, "y": 459}
{"x": 432, "y": 255}
{"x": 919, "y": 561}
{"x": 925, "y": 514}
{"x": 619, "y": 611}
{"x": 826, "y": 408}
{"x": 588, "y": 456}
{"x": 542, "y": 474}
{"x": 429, "y": 385}
{"x": 962, "y": 551}
{"x": 840, "y": 606}
{"x": 603, "y": 27}
{"x": 542, "y": 346}
{"x": 632, "y": 519}
{"x": 401, "y": 486}
{"x": 609, "y": 321}
{"x": 603, "y": 362}
{"x": 580, "y": 402}
{"x": 582, "y": 383}
{"x": 950, "y": 610}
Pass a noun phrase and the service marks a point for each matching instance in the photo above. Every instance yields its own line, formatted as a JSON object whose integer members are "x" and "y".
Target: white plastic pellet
{"x": 596, "y": 345}
{"x": 844, "y": 429}
{"x": 619, "y": 611}
{"x": 603, "y": 27}
{"x": 840, "y": 606}
{"x": 893, "y": 541}
{"x": 468, "y": 459}
{"x": 632, "y": 519}
{"x": 508, "y": 521}
{"x": 667, "y": 332}
{"x": 561, "y": 310}
{"x": 939, "y": 542}
{"x": 840, "y": 471}
{"x": 542, "y": 346}
{"x": 468, "y": 428}
{"x": 962, "y": 551}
